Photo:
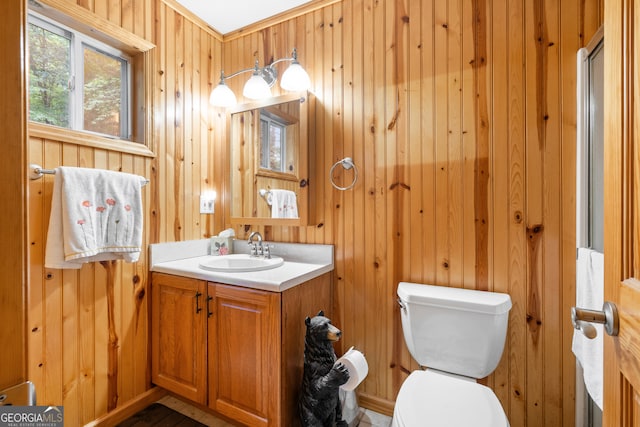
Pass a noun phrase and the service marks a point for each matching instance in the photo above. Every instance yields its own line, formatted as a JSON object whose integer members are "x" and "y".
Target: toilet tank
{"x": 460, "y": 331}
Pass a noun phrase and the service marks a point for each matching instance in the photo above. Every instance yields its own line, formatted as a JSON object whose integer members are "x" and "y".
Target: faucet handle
{"x": 253, "y": 251}
{"x": 266, "y": 251}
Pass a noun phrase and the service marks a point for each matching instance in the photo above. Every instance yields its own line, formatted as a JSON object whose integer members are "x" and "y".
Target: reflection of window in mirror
{"x": 272, "y": 143}
{"x": 278, "y": 142}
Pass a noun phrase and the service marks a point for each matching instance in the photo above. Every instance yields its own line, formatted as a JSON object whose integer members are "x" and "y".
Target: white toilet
{"x": 458, "y": 335}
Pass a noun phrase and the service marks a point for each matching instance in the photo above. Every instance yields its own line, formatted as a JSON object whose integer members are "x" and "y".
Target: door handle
{"x": 582, "y": 319}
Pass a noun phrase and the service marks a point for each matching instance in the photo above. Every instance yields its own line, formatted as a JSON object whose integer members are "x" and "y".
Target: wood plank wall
{"x": 13, "y": 228}
{"x": 67, "y": 329}
{"x": 460, "y": 116}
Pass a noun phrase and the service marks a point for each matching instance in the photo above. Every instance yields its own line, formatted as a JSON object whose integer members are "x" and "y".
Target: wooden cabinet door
{"x": 622, "y": 211}
{"x": 244, "y": 354}
{"x": 178, "y": 334}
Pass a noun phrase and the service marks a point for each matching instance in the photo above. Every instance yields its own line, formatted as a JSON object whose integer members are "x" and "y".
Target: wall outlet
{"x": 207, "y": 204}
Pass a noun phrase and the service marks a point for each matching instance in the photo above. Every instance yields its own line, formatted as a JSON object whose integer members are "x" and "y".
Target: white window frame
{"x": 80, "y": 42}
{"x": 266, "y": 145}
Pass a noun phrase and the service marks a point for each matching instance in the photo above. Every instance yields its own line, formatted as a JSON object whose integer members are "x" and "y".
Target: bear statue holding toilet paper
{"x": 319, "y": 403}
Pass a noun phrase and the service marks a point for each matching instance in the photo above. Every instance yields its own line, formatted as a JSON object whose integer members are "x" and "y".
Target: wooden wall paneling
{"x": 69, "y": 327}
{"x": 193, "y": 94}
{"x": 366, "y": 178}
{"x": 516, "y": 268}
{"x": 191, "y": 179}
{"x": 345, "y": 300}
{"x": 536, "y": 105}
{"x": 126, "y": 14}
{"x": 35, "y": 289}
{"x": 171, "y": 170}
{"x": 318, "y": 77}
{"x": 337, "y": 134}
{"x": 52, "y": 308}
{"x": 452, "y": 125}
{"x": 392, "y": 172}
{"x": 491, "y": 128}
{"x": 86, "y": 319}
{"x": 114, "y": 11}
{"x": 551, "y": 298}
{"x": 181, "y": 194}
{"x": 160, "y": 133}
{"x": 475, "y": 154}
{"x": 355, "y": 304}
{"x": 441, "y": 184}
{"x": 428, "y": 165}
{"x": 100, "y": 8}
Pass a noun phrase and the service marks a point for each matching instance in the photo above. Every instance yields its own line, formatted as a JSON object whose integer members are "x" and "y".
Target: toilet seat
{"x": 434, "y": 399}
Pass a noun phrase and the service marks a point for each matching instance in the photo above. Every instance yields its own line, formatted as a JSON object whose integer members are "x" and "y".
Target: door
{"x": 178, "y": 335}
{"x": 244, "y": 354}
{"x": 622, "y": 211}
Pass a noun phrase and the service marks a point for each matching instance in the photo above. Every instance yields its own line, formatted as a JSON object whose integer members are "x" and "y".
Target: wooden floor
{"x": 193, "y": 412}
{"x": 365, "y": 417}
{"x": 156, "y": 415}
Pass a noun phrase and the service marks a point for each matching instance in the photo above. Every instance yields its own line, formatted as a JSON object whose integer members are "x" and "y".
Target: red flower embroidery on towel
{"x": 111, "y": 202}
{"x": 86, "y": 204}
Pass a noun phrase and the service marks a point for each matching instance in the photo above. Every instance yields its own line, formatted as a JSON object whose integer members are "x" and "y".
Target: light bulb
{"x": 222, "y": 96}
{"x": 295, "y": 78}
{"x": 256, "y": 88}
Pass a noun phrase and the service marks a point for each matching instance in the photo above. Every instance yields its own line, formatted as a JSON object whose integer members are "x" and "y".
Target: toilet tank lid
{"x": 456, "y": 298}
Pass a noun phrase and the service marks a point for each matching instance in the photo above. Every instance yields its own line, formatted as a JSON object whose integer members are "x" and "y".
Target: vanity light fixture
{"x": 294, "y": 79}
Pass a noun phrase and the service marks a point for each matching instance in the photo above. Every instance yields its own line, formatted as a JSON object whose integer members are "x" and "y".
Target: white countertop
{"x": 302, "y": 262}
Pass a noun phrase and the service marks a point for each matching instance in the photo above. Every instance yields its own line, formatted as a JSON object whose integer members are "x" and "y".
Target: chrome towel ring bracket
{"x": 347, "y": 164}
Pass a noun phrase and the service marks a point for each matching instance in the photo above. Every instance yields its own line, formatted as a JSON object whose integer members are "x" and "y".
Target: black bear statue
{"x": 319, "y": 401}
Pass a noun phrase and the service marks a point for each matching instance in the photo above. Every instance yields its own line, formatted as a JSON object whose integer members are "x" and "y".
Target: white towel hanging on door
{"x": 590, "y": 295}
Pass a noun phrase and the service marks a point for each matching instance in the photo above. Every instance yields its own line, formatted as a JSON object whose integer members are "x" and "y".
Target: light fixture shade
{"x": 295, "y": 78}
{"x": 256, "y": 88}
{"x": 222, "y": 96}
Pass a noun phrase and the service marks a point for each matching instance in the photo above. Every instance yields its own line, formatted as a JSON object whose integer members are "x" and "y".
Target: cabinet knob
{"x": 209, "y": 312}
{"x": 197, "y": 297}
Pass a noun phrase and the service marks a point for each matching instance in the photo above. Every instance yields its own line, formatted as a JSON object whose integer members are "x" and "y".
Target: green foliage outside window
{"x": 76, "y": 83}
{"x": 49, "y": 75}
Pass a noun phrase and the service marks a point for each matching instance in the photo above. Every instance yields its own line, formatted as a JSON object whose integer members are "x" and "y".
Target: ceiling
{"x": 225, "y": 16}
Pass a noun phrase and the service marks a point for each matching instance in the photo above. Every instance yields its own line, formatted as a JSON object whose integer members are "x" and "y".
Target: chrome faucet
{"x": 256, "y": 247}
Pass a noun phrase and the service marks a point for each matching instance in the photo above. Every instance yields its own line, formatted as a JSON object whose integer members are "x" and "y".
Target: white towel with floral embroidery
{"x": 284, "y": 204}
{"x": 96, "y": 215}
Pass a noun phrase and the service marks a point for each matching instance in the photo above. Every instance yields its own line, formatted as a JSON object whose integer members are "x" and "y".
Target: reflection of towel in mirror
{"x": 96, "y": 215}
{"x": 590, "y": 294}
{"x": 283, "y": 204}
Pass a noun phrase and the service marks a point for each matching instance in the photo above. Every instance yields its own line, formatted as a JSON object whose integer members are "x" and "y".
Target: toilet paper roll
{"x": 357, "y": 366}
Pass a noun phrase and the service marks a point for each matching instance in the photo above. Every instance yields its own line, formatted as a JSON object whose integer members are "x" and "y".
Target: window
{"x": 91, "y": 81}
{"x": 590, "y": 147}
{"x": 272, "y": 142}
{"x": 77, "y": 82}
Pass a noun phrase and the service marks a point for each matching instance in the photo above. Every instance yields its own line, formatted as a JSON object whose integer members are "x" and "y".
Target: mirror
{"x": 268, "y": 147}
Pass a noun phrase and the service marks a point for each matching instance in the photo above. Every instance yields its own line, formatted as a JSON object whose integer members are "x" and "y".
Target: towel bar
{"x": 36, "y": 172}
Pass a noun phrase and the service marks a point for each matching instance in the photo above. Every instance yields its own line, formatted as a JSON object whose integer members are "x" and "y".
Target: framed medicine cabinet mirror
{"x": 269, "y": 161}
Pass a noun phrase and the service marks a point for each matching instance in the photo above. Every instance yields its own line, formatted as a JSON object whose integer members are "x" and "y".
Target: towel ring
{"x": 347, "y": 163}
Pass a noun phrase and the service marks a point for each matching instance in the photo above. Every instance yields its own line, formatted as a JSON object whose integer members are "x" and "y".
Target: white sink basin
{"x": 236, "y": 263}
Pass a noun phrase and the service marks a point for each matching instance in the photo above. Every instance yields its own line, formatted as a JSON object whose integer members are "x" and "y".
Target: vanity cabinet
{"x": 178, "y": 331}
{"x": 242, "y": 352}
{"x": 244, "y": 355}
